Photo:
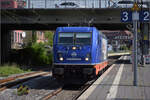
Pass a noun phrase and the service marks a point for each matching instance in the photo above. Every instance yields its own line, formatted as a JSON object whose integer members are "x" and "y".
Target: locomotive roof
{"x": 75, "y": 29}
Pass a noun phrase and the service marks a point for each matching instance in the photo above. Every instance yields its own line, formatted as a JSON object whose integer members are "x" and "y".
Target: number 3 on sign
{"x": 126, "y": 16}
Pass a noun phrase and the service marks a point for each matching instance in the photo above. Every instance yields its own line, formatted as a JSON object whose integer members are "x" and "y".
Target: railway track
{"x": 12, "y": 81}
{"x": 82, "y": 89}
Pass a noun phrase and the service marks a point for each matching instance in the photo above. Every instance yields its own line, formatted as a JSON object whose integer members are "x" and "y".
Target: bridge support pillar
{"x": 5, "y": 46}
{"x": 0, "y": 48}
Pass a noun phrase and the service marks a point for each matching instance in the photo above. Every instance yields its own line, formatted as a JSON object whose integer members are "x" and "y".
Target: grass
{"x": 7, "y": 70}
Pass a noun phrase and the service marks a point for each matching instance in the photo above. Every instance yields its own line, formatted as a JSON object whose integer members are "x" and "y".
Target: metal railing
{"x": 79, "y": 3}
{"x": 47, "y": 4}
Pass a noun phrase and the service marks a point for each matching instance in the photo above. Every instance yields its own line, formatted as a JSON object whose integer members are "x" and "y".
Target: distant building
{"x": 21, "y": 3}
{"x": 17, "y": 38}
{"x": 118, "y": 38}
{"x": 12, "y": 3}
{"x": 8, "y": 4}
{"x": 20, "y": 38}
{"x": 40, "y": 36}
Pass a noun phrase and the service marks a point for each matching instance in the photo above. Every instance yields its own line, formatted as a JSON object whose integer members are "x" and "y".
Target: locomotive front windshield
{"x": 83, "y": 38}
{"x": 75, "y": 38}
{"x": 66, "y": 38}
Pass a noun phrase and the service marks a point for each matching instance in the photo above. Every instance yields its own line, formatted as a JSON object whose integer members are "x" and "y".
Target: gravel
{"x": 38, "y": 88}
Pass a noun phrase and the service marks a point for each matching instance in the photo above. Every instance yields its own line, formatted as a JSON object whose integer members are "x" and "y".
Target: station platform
{"x": 117, "y": 83}
{"x": 118, "y": 54}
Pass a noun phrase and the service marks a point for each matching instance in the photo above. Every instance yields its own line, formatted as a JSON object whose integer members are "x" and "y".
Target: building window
{"x": 15, "y": 36}
{"x": 18, "y": 37}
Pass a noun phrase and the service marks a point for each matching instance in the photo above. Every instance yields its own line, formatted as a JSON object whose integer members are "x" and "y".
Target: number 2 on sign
{"x": 146, "y": 16}
{"x": 125, "y": 16}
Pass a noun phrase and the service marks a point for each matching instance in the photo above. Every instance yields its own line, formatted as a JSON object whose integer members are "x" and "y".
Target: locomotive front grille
{"x": 73, "y": 59}
{"x": 73, "y": 71}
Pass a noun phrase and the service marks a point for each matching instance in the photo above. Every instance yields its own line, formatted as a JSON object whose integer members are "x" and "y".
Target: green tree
{"x": 49, "y": 36}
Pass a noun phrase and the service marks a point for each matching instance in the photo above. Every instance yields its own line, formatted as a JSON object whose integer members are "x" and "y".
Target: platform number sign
{"x": 144, "y": 16}
{"x": 126, "y": 16}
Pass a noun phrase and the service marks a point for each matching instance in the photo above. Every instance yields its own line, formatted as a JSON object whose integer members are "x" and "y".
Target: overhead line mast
{"x": 135, "y": 18}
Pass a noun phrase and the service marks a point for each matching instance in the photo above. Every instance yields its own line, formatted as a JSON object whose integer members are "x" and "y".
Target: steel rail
{"x": 16, "y": 77}
{"x": 52, "y": 94}
{"x": 13, "y": 82}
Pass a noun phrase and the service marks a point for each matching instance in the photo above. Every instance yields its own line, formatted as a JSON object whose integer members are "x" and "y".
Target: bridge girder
{"x": 51, "y": 18}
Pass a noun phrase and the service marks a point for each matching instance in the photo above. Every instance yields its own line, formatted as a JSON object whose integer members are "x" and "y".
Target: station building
{"x": 12, "y": 4}
{"x": 118, "y": 38}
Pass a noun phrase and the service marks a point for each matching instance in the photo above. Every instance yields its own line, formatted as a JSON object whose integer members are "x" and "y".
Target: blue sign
{"x": 144, "y": 16}
{"x": 126, "y": 16}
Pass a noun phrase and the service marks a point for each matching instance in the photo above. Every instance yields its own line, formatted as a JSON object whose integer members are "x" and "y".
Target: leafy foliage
{"x": 49, "y": 36}
{"x": 124, "y": 48}
{"x": 36, "y": 54}
{"x": 22, "y": 89}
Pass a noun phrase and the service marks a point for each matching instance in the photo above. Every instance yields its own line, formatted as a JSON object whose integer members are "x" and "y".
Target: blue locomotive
{"x": 79, "y": 52}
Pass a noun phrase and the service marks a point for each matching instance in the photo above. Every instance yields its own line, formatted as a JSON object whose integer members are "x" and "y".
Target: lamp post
{"x": 135, "y": 18}
{"x": 28, "y": 3}
{"x": 99, "y": 3}
{"x": 45, "y": 3}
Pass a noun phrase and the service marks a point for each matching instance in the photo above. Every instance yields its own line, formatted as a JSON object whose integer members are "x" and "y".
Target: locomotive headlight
{"x": 87, "y": 59}
{"x": 74, "y": 48}
{"x": 61, "y": 58}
